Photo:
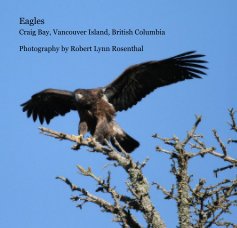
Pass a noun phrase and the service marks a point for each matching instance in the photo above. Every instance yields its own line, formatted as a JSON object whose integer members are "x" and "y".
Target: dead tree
{"x": 201, "y": 206}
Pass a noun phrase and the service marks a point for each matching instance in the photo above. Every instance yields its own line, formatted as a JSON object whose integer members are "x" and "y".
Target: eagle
{"x": 97, "y": 107}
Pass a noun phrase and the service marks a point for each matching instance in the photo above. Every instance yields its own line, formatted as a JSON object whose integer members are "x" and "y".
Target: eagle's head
{"x": 84, "y": 97}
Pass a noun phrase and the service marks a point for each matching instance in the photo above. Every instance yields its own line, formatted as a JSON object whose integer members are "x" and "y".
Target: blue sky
{"x": 30, "y": 195}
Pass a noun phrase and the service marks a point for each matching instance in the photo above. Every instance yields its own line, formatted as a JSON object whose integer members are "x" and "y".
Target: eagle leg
{"x": 82, "y": 130}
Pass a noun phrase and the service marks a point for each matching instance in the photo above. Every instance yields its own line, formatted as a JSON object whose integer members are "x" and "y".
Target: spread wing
{"x": 139, "y": 80}
{"x": 49, "y": 103}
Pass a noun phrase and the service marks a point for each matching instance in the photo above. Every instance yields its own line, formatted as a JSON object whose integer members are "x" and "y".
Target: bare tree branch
{"x": 224, "y": 150}
{"x": 233, "y": 122}
{"x": 199, "y": 205}
{"x": 207, "y": 203}
{"x": 123, "y": 215}
{"x": 191, "y": 134}
{"x": 138, "y": 184}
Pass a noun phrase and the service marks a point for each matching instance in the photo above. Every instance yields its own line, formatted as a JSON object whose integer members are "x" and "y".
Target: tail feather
{"x": 128, "y": 143}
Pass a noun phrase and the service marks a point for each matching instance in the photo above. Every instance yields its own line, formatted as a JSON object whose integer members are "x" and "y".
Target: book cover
{"x": 82, "y": 44}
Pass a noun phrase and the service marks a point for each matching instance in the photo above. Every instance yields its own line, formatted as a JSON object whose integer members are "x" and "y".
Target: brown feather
{"x": 49, "y": 103}
{"x": 139, "y": 80}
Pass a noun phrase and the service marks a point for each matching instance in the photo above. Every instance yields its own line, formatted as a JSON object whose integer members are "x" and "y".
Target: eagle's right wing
{"x": 49, "y": 103}
{"x": 139, "y": 80}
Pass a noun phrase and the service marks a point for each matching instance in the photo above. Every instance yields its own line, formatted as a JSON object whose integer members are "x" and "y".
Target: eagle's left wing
{"x": 139, "y": 80}
{"x": 48, "y": 104}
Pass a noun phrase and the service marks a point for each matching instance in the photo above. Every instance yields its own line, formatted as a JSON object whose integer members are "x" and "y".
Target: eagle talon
{"x": 76, "y": 147}
{"x": 90, "y": 139}
{"x": 79, "y": 138}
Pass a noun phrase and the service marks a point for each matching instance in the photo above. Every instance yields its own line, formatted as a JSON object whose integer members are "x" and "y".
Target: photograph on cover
{"x": 118, "y": 114}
